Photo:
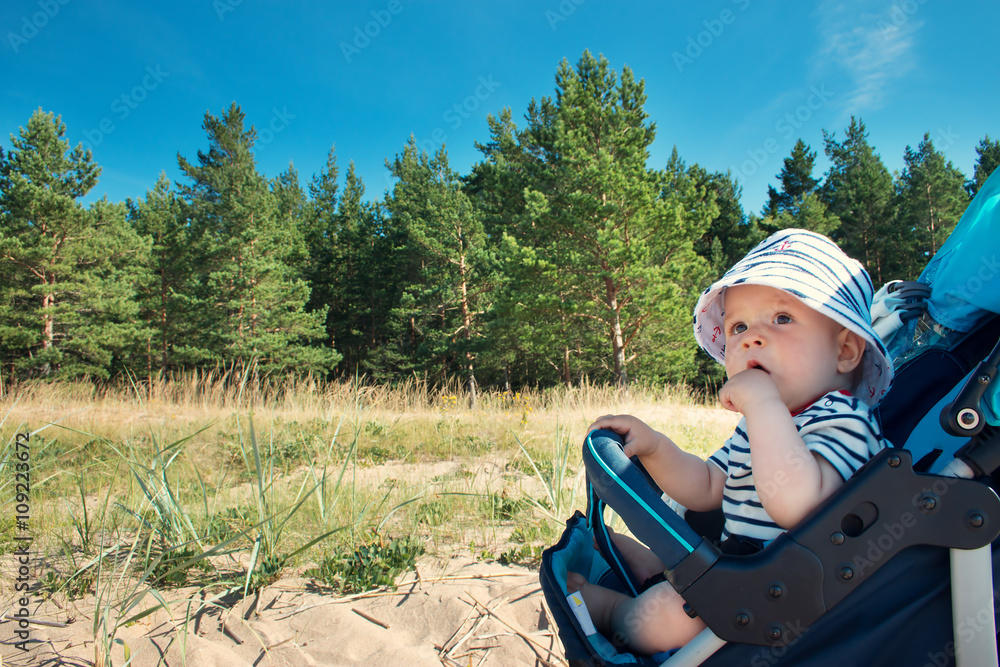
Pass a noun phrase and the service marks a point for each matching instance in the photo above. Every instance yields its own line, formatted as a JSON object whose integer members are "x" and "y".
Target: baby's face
{"x": 769, "y": 329}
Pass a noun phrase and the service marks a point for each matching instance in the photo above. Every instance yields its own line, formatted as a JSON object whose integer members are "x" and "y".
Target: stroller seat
{"x": 896, "y": 566}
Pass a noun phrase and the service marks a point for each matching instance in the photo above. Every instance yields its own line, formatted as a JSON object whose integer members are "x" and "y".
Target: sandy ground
{"x": 454, "y": 612}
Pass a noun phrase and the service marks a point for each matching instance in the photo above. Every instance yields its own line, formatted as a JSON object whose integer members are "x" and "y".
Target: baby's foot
{"x": 575, "y": 581}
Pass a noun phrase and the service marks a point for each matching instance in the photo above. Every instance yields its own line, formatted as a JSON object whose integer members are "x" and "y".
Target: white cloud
{"x": 872, "y": 50}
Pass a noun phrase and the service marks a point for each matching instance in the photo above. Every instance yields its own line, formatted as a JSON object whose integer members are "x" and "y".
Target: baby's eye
{"x": 782, "y": 318}
{"x": 737, "y": 328}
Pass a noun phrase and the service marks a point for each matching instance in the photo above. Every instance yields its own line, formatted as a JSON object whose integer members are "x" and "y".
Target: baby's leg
{"x": 653, "y": 622}
{"x": 643, "y": 562}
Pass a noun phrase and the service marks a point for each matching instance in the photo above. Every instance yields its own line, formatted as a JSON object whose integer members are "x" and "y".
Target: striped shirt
{"x": 838, "y": 427}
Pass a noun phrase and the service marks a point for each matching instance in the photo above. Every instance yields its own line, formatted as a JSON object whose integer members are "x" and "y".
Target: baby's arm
{"x": 691, "y": 481}
{"x": 791, "y": 480}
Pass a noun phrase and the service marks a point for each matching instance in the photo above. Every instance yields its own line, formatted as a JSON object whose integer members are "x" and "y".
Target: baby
{"x": 791, "y": 324}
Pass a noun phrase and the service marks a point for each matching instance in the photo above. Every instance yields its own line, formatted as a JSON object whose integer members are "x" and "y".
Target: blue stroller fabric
{"x": 964, "y": 275}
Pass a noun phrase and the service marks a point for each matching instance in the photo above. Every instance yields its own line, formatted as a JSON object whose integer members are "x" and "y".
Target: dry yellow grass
{"x": 370, "y": 464}
{"x": 411, "y": 446}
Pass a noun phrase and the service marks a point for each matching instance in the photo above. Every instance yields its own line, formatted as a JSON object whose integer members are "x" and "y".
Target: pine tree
{"x": 931, "y": 198}
{"x": 347, "y": 265}
{"x": 987, "y": 161}
{"x": 41, "y": 180}
{"x": 364, "y": 264}
{"x": 323, "y": 243}
{"x": 98, "y": 314}
{"x": 447, "y": 261}
{"x": 858, "y": 191}
{"x": 796, "y": 181}
{"x": 70, "y": 273}
{"x": 250, "y": 296}
{"x": 730, "y": 234}
{"x": 623, "y": 250}
{"x": 798, "y": 204}
{"x": 165, "y": 300}
{"x": 519, "y": 344}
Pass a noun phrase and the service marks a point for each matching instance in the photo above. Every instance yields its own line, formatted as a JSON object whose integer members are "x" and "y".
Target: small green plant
{"x": 529, "y": 533}
{"x": 502, "y": 507}
{"x": 267, "y": 558}
{"x": 523, "y": 555}
{"x": 375, "y": 429}
{"x": 170, "y": 565}
{"x": 75, "y": 586}
{"x": 266, "y": 572}
{"x": 372, "y": 565}
{"x": 432, "y": 513}
{"x": 8, "y": 525}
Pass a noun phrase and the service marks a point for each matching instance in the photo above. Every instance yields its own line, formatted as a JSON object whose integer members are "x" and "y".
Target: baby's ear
{"x": 852, "y": 350}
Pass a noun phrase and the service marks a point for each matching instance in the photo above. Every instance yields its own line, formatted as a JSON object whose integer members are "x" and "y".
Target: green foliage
{"x": 930, "y": 200}
{"x": 371, "y": 565}
{"x": 607, "y": 249}
{"x": 562, "y": 257}
{"x": 441, "y": 264}
{"x": 560, "y": 483}
{"x": 248, "y": 298}
{"x": 524, "y": 555}
{"x": 432, "y": 514}
{"x": 8, "y": 532}
{"x": 502, "y": 506}
{"x": 70, "y": 275}
{"x": 228, "y": 525}
{"x": 265, "y": 572}
{"x": 169, "y": 565}
{"x": 75, "y": 585}
{"x": 858, "y": 190}
{"x": 987, "y": 161}
{"x": 796, "y": 181}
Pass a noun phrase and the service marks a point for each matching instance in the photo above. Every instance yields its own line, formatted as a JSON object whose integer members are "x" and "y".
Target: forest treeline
{"x": 561, "y": 256}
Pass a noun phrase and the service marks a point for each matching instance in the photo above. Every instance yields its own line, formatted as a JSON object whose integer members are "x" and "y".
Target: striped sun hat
{"x": 812, "y": 268}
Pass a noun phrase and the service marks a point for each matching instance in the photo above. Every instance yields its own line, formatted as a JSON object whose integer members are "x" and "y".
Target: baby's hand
{"x": 640, "y": 438}
{"x": 747, "y": 388}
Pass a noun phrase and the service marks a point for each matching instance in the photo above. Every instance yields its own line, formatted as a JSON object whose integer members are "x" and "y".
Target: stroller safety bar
{"x": 771, "y": 597}
{"x": 613, "y": 476}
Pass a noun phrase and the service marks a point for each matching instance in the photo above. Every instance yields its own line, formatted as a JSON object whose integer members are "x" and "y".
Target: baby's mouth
{"x": 758, "y": 366}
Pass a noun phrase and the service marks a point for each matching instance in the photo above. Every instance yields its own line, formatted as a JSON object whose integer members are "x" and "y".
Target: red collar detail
{"x": 842, "y": 392}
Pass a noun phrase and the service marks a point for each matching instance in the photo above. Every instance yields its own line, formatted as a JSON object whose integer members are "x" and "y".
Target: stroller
{"x": 897, "y": 565}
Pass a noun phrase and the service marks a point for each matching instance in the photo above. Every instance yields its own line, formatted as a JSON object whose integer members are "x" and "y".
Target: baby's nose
{"x": 753, "y": 340}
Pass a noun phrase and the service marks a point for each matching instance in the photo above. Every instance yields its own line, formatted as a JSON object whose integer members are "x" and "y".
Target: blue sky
{"x": 733, "y": 83}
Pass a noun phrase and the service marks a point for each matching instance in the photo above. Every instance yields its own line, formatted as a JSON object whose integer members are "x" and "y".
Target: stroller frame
{"x": 771, "y": 598}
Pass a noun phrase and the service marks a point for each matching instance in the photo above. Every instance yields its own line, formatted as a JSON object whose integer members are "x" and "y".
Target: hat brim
{"x": 709, "y": 315}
